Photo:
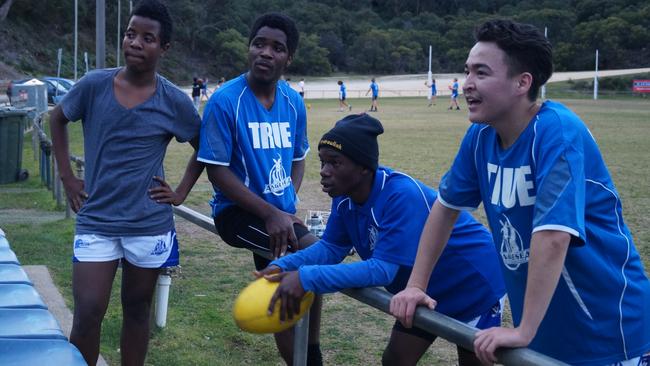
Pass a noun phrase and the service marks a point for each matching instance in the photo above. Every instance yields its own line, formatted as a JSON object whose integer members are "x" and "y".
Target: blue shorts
{"x": 489, "y": 319}
{"x": 156, "y": 251}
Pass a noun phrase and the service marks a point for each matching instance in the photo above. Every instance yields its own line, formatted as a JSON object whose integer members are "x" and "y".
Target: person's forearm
{"x": 433, "y": 239}
{"x": 297, "y": 173}
{"x": 548, "y": 251}
{"x": 60, "y": 143}
{"x": 332, "y": 278}
{"x": 192, "y": 173}
{"x": 318, "y": 253}
{"x": 222, "y": 177}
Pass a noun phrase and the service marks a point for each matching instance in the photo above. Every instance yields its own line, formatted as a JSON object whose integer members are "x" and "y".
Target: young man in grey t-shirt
{"x": 129, "y": 115}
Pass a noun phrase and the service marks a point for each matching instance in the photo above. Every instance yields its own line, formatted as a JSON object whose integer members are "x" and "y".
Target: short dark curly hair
{"x": 277, "y": 21}
{"x": 156, "y": 10}
{"x": 526, "y": 49}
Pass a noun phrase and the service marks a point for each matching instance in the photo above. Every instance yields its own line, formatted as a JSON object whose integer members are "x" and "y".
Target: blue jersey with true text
{"x": 554, "y": 178}
{"x": 258, "y": 144}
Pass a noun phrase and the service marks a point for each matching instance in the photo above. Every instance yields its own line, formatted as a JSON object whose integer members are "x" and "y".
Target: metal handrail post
{"x": 300, "y": 341}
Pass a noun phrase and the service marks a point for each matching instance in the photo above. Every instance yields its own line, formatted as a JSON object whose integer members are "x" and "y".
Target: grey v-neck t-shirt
{"x": 123, "y": 150}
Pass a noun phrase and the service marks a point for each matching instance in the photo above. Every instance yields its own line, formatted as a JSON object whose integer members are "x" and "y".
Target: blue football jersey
{"x": 342, "y": 90}
{"x": 258, "y": 145}
{"x": 375, "y": 89}
{"x": 466, "y": 281}
{"x": 554, "y": 178}
{"x": 454, "y": 89}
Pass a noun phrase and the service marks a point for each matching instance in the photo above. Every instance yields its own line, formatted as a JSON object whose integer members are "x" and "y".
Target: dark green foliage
{"x": 311, "y": 58}
{"x": 366, "y": 36}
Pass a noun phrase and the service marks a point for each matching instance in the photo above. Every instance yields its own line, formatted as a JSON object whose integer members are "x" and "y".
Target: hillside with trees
{"x": 337, "y": 36}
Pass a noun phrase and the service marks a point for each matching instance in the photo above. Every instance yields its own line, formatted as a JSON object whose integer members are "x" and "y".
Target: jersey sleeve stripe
{"x": 212, "y": 162}
{"x": 453, "y": 207}
{"x": 562, "y": 228}
{"x": 301, "y": 157}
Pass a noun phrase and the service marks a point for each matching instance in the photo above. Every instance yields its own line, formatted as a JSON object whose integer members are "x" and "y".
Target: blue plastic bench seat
{"x": 18, "y": 295}
{"x": 8, "y": 256}
{"x": 13, "y": 273}
{"x": 29, "y": 323}
{"x": 29, "y": 352}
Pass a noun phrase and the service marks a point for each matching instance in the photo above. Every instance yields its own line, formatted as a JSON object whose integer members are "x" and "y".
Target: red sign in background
{"x": 641, "y": 86}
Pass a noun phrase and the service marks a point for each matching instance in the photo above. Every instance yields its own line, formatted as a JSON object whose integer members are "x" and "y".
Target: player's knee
{"x": 87, "y": 319}
{"x": 136, "y": 310}
{"x": 89, "y": 311}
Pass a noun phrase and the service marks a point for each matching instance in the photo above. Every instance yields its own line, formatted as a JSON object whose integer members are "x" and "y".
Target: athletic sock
{"x": 314, "y": 355}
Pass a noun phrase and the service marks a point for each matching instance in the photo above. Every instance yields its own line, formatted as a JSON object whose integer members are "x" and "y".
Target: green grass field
{"x": 418, "y": 140}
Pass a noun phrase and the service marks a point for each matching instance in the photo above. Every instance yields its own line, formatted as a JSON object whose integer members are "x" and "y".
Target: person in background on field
{"x": 454, "y": 95}
{"x": 196, "y": 92}
{"x": 576, "y": 284}
{"x": 374, "y": 88}
{"x": 219, "y": 84}
{"x": 342, "y": 96}
{"x": 301, "y": 88}
{"x": 9, "y": 91}
{"x": 204, "y": 89}
{"x": 434, "y": 91}
{"x": 129, "y": 116}
{"x": 254, "y": 144}
{"x": 380, "y": 213}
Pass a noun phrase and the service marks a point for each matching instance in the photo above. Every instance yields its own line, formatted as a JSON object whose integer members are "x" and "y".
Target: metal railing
{"x": 431, "y": 321}
{"x": 48, "y": 169}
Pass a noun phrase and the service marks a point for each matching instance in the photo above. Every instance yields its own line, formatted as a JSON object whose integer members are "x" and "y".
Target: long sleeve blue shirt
{"x": 385, "y": 231}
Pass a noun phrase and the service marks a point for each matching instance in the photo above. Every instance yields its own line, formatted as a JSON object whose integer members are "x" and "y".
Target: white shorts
{"x": 155, "y": 251}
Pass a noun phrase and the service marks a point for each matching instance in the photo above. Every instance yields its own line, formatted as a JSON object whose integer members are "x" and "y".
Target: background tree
{"x": 364, "y": 36}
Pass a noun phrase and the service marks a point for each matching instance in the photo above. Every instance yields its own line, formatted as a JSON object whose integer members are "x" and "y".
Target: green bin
{"x": 12, "y": 127}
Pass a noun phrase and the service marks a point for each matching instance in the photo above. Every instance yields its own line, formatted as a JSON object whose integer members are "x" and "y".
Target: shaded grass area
{"x": 418, "y": 140}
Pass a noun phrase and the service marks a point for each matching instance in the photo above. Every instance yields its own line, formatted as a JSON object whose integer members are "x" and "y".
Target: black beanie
{"x": 356, "y": 137}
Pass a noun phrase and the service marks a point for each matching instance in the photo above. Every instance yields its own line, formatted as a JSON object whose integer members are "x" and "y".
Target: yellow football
{"x": 251, "y": 308}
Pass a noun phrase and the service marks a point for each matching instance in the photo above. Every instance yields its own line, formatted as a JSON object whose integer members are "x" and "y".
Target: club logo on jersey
{"x": 372, "y": 237}
{"x": 270, "y": 135}
{"x": 278, "y": 178}
{"x": 511, "y": 185}
{"x": 512, "y": 250}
